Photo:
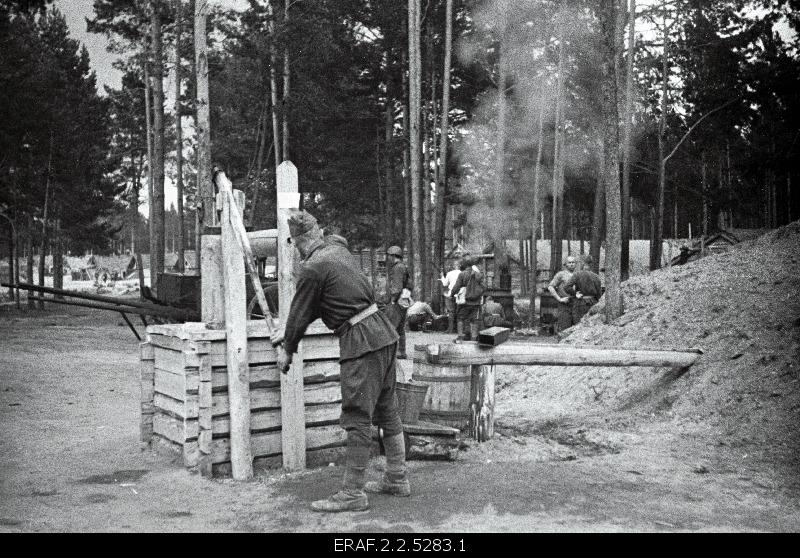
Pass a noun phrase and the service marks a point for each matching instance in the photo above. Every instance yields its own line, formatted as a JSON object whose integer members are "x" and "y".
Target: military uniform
{"x": 398, "y": 278}
{"x": 588, "y": 284}
{"x": 332, "y": 287}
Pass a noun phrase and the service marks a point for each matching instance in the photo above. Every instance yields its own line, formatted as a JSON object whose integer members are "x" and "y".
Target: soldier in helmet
{"x": 331, "y": 286}
{"x": 398, "y": 293}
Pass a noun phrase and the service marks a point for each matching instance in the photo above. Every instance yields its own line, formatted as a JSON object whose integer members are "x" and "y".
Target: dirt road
{"x": 70, "y": 461}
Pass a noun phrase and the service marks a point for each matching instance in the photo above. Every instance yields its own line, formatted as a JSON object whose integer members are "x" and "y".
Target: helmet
{"x": 395, "y": 251}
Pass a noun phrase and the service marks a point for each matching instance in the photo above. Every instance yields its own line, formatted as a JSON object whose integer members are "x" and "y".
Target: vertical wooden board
{"x": 205, "y": 424}
{"x": 293, "y": 424}
{"x": 147, "y": 392}
{"x": 233, "y": 271}
{"x": 212, "y": 305}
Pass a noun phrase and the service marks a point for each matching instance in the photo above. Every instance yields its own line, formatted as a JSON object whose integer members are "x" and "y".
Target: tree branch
{"x": 689, "y": 131}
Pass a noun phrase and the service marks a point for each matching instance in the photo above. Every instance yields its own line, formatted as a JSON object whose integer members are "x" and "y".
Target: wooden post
{"x": 147, "y": 376}
{"x": 293, "y": 432}
{"x": 236, "y": 341}
{"x": 481, "y": 406}
{"x": 212, "y": 301}
{"x": 205, "y": 403}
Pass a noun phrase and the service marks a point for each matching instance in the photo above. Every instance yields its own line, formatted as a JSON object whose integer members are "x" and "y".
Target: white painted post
{"x": 236, "y": 341}
{"x": 293, "y": 424}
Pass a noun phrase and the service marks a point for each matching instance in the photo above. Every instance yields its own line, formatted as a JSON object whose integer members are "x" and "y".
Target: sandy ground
{"x": 574, "y": 450}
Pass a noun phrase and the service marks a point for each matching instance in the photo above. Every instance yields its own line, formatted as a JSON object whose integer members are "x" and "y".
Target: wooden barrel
{"x": 448, "y": 397}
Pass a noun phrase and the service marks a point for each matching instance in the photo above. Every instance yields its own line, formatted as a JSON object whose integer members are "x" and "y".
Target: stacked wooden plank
{"x": 185, "y": 399}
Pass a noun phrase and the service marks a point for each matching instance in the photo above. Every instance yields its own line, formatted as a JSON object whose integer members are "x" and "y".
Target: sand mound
{"x": 741, "y": 307}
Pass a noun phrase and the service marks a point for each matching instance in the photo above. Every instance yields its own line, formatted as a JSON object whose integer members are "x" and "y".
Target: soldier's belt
{"x": 368, "y": 311}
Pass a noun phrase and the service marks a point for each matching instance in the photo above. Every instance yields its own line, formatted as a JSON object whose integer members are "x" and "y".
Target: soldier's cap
{"x": 300, "y": 222}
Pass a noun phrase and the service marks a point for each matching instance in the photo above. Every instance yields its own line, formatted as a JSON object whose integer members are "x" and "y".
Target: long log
{"x": 156, "y": 309}
{"x": 556, "y": 355}
{"x": 100, "y": 306}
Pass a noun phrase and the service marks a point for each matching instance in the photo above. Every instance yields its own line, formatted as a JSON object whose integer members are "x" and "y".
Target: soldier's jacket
{"x": 398, "y": 279}
{"x": 331, "y": 286}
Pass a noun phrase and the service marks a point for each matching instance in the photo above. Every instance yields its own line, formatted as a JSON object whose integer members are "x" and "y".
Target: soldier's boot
{"x": 460, "y": 330}
{"x": 395, "y": 478}
{"x": 352, "y": 496}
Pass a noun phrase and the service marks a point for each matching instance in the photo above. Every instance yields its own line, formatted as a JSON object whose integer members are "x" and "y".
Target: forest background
{"x": 423, "y": 124}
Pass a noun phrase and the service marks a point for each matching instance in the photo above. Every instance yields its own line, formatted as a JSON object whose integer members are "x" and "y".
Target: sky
{"x": 101, "y": 61}
{"x": 76, "y": 12}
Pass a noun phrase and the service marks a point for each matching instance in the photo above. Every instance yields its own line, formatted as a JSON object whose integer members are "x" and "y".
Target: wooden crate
{"x": 184, "y": 397}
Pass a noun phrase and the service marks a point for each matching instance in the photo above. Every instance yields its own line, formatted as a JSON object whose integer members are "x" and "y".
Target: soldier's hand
{"x": 277, "y": 337}
{"x": 284, "y": 360}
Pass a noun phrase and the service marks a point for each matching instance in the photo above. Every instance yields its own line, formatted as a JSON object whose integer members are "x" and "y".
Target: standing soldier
{"x": 398, "y": 293}
{"x": 472, "y": 281}
{"x": 588, "y": 290}
{"x": 557, "y": 289}
{"x": 331, "y": 286}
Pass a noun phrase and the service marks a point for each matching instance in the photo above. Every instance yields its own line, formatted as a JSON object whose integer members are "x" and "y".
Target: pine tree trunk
{"x": 45, "y": 215}
{"x": 58, "y": 260}
{"x": 407, "y": 189}
{"x": 286, "y": 79}
{"x": 704, "y": 227}
{"x": 441, "y": 185}
{"x": 29, "y": 262}
{"x": 626, "y": 164}
{"x": 655, "y": 248}
{"x": 157, "y": 240}
{"x": 273, "y": 86}
{"x": 179, "y": 136}
{"x": 414, "y": 76}
{"x": 608, "y": 19}
{"x": 499, "y": 189}
{"x": 205, "y": 189}
{"x": 149, "y": 131}
{"x": 558, "y": 167}
{"x": 534, "y": 265}
{"x": 598, "y": 214}
{"x": 388, "y": 155}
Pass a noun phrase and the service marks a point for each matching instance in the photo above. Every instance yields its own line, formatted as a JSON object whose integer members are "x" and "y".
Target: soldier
{"x": 556, "y": 288}
{"x": 331, "y": 286}
{"x": 588, "y": 290}
{"x": 398, "y": 293}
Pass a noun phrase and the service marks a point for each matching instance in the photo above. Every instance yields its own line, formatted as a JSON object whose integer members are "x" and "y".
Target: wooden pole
{"x": 236, "y": 342}
{"x": 481, "y": 406}
{"x": 557, "y": 355}
{"x": 293, "y": 432}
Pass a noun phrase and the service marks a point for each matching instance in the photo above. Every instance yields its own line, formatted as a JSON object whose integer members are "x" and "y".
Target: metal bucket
{"x": 410, "y": 398}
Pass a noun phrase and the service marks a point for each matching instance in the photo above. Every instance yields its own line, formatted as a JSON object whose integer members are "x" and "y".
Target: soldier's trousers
{"x": 368, "y": 395}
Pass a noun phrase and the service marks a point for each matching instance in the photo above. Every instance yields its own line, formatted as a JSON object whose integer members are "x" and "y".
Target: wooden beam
{"x": 556, "y": 355}
{"x": 236, "y": 341}
{"x": 293, "y": 432}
